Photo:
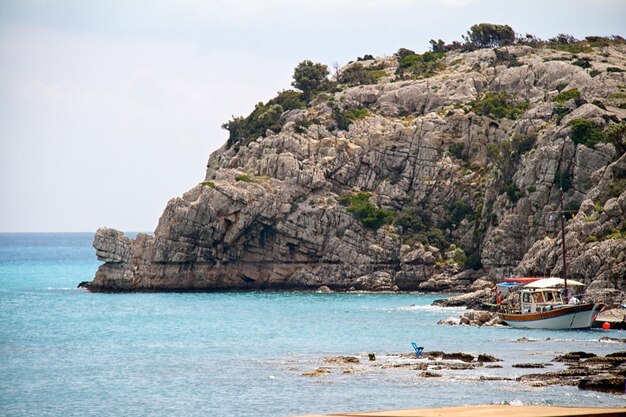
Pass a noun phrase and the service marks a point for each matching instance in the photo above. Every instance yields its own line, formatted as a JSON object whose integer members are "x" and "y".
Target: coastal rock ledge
{"x": 414, "y": 183}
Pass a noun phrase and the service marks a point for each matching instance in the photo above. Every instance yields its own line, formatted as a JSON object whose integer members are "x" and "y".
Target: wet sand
{"x": 489, "y": 411}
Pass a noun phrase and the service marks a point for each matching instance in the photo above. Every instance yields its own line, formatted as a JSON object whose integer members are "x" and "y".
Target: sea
{"x": 67, "y": 352}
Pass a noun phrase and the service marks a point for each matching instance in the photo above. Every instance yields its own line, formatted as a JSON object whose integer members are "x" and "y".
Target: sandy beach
{"x": 490, "y": 411}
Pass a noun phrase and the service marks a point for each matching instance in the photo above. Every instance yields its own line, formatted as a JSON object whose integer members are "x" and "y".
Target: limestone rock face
{"x": 462, "y": 189}
{"x": 111, "y": 246}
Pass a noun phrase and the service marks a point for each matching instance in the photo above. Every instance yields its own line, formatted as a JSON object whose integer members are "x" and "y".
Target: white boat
{"x": 544, "y": 305}
{"x": 543, "y": 308}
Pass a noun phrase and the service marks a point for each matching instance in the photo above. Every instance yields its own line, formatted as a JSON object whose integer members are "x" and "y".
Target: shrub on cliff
{"x": 586, "y": 132}
{"x": 568, "y": 43}
{"x": 416, "y": 226}
{"x": 616, "y": 134}
{"x": 419, "y": 65}
{"x": 456, "y": 211}
{"x": 264, "y": 116}
{"x": 344, "y": 118}
{"x": 357, "y": 74}
{"x": 521, "y": 144}
{"x": 499, "y": 105}
{"x": 370, "y": 216}
{"x": 566, "y": 95}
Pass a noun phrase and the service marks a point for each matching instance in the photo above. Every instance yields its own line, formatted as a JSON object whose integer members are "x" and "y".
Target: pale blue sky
{"x": 110, "y": 108}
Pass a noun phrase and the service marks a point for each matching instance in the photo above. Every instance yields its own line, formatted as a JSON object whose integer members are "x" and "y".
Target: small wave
{"x": 515, "y": 403}
{"x": 547, "y": 339}
{"x": 607, "y": 339}
{"x": 421, "y": 308}
{"x": 65, "y": 289}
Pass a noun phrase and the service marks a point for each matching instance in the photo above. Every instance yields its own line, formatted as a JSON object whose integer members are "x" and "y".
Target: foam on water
{"x": 414, "y": 307}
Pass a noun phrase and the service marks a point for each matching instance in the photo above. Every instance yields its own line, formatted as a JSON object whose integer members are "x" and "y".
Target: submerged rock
{"x": 529, "y": 365}
{"x": 483, "y": 357}
{"x": 574, "y": 357}
{"x": 342, "y": 359}
{"x": 465, "y": 357}
{"x": 604, "y": 383}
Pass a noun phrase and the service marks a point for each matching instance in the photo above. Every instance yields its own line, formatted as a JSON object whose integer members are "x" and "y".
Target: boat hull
{"x": 566, "y": 317}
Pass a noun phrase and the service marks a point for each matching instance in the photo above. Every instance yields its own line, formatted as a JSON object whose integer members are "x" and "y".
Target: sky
{"x": 110, "y": 108}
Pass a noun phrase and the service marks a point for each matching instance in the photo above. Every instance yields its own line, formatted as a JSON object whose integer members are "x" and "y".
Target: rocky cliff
{"x": 444, "y": 179}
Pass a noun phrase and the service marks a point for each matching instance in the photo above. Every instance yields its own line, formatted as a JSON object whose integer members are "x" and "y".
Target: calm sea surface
{"x": 66, "y": 352}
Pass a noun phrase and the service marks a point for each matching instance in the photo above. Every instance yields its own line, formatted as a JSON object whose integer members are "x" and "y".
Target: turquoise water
{"x": 67, "y": 352}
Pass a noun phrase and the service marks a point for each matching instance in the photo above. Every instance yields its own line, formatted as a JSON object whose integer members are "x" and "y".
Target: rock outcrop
{"x": 453, "y": 188}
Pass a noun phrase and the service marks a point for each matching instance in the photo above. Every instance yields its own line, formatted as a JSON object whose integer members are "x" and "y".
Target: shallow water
{"x": 64, "y": 351}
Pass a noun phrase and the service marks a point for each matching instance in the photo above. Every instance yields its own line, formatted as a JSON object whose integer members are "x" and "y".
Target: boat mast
{"x": 564, "y": 252}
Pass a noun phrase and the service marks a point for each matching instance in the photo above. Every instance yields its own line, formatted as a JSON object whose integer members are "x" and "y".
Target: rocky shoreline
{"x": 587, "y": 371}
{"x": 445, "y": 181}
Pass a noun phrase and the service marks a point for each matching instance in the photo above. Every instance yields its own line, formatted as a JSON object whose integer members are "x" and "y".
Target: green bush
{"x": 616, "y": 134}
{"x": 411, "y": 221}
{"x": 522, "y": 144}
{"x": 618, "y": 232}
{"x": 209, "y": 184}
{"x": 344, "y": 118}
{"x": 459, "y": 256}
{"x": 243, "y": 177}
{"x": 456, "y": 211}
{"x": 489, "y": 35}
{"x": 514, "y": 193}
{"x": 417, "y": 226}
{"x": 583, "y": 62}
{"x": 617, "y": 187}
{"x": 568, "y": 43}
{"x": 567, "y": 95}
{"x": 591, "y": 238}
{"x": 302, "y": 125}
{"x": 456, "y": 149}
{"x": 598, "y": 41}
{"x": 370, "y": 216}
{"x": 264, "y": 116}
{"x": 357, "y": 74}
{"x": 560, "y": 112}
{"x": 419, "y": 65}
{"x": 586, "y": 132}
{"x": 498, "y": 106}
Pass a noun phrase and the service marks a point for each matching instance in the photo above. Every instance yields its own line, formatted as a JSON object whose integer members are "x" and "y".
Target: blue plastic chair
{"x": 418, "y": 349}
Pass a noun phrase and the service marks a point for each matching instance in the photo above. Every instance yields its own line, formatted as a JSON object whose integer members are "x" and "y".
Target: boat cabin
{"x": 537, "y": 300}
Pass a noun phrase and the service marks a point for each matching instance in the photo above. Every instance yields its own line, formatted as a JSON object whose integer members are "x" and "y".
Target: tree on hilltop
{"x": 489, "y": 35}
{"x": 309, "y": 77}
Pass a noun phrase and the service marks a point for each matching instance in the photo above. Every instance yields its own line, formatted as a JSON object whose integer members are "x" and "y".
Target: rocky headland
{"x": 426, "y": 172}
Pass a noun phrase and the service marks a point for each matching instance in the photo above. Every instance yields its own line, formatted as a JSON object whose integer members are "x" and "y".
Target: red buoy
{"x": 606, "y": 325}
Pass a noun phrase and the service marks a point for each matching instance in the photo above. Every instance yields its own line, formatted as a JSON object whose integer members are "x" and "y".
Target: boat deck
{"x": 490, "y": 411}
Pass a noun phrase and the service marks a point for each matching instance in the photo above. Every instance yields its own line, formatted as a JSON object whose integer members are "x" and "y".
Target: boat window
{"x": 525, "y": 298}
{"x": 549, "y": 297}
{"x": 539, "y": 298}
